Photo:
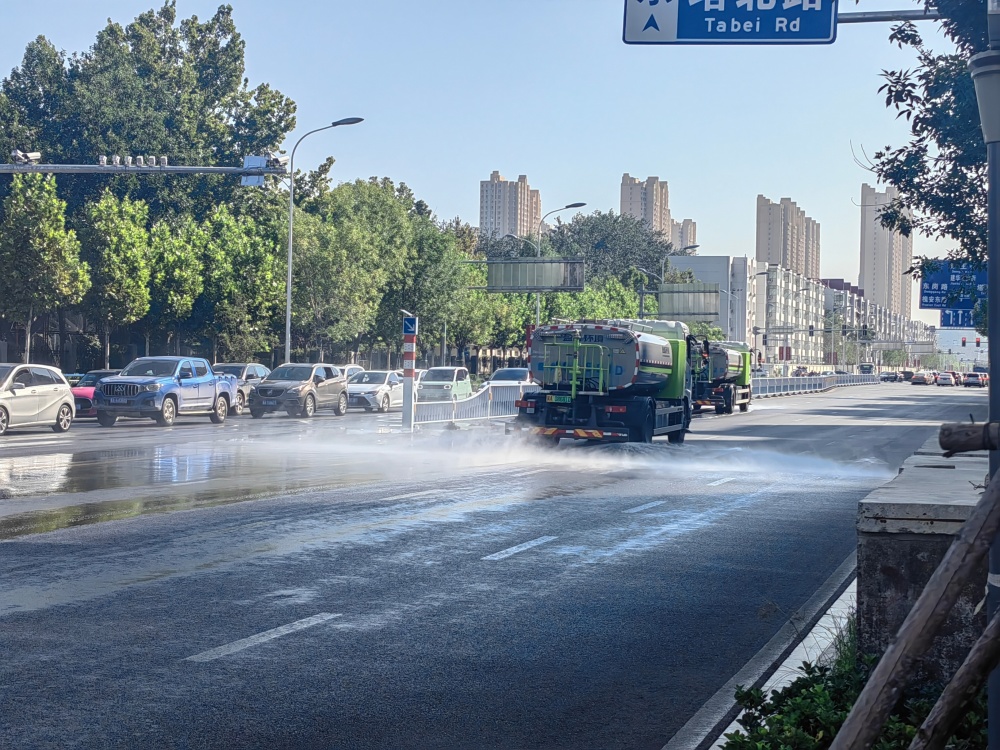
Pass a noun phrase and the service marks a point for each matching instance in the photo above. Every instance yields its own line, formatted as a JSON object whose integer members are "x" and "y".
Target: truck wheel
{"x": 167, "y": 414}
{"x": 720, "y": 409}
{"x": 744, "y": 407}
{"x": 106, "y": 420}
{"x": 729, "y": 397}
{"x": 221, "y": 410}
{"x": 341, "y": 408}
{"x": 644, "y": 432}
{"x": 241, "y": 403}
{"x": 676, "y": 437}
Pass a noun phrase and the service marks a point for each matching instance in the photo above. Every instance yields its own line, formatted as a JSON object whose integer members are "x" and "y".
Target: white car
{"x": 350, "y": 370}
{"x": 35, "y": 395}
{"x": 945, "y": 378}
{"x": 375, "y": 389}
{"x": 511, "y": 376}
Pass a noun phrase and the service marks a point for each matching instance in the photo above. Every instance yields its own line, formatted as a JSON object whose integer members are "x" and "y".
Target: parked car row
{"x": 163, "y": 388}
{"x": 950, "y": 378}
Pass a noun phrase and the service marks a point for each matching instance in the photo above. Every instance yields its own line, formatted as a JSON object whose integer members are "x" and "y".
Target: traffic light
{"x": 963, "y": 340}
{"x": 812, "y": 330}
{"x": 949, "y": 351}
{"x": 843, "y": 330}
{"x": 864, "y": 331}
{"x": 977, "y": 342}
{"x": 765, "y": 340}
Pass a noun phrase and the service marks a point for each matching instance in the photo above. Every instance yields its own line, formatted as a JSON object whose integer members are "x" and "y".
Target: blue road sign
{"x": 956, "y": 319}
{"x": 952, "y": 286}
{"x": 730, "y": 22}
{"x": 409, "y": 326}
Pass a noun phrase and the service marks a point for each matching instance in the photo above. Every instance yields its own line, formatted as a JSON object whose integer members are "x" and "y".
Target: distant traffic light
{"x": 843, "y": 330}
{"x": 977, "y": 342}
{"x": 864, "y": 331}
{"x": 765, "y": 340}
{"x": 963, "y": 341}
{"x": 812, "y": 330}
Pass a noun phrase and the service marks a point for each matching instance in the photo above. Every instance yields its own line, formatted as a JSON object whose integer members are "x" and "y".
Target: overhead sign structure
{"x": 730, "y": 22}
{"x": 956, "y": 319}
{"x": 535, "y": 275}
{"x": 952, "y": 286}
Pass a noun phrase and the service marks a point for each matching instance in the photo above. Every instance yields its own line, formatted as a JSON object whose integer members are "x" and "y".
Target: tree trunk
{"x": 148, "y": 334}
{"x": 215, "y": 348}
{"x": 107, "y": 347}
{"x": 62, "y": 338}
{"x": 27, "y": 334}
{"x": 177, "y": 341}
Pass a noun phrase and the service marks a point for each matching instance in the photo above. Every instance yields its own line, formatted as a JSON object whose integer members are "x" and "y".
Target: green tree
{"x": 242, "y": 289}
{"x": 155, "y": 87}
{"x": 176, "y": 252}
{"x": 115, "y": 244}
{"x": 708, "y": 331}
{"x": 40, "y": 257}
{"x": 940, "y": 173}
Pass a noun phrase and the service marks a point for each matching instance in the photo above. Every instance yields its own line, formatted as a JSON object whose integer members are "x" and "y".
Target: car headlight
{"x": 294, "y": 391}
{"x": 153, "y": 387}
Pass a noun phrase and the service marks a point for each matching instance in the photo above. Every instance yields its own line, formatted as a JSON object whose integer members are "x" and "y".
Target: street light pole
{"x": 642, "y": 293}
{"x": 985, "y": 69}
{"x": 538, "y": 254}
{"x": 291, "y": 217}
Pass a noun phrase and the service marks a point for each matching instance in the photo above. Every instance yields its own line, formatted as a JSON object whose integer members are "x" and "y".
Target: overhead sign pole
{"x": 410, "y": 328}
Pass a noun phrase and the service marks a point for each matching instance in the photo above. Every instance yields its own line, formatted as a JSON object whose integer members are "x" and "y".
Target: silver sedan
{"x": 375, "y": 389}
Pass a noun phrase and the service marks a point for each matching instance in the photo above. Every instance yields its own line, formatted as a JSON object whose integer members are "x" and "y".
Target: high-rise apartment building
{"x": 885, "y": 254}
{"x": 683, "y": 233}
{"x": 650, "y": 200}
{"x": 786, "y": 237}
{"x": 507, "y": 207}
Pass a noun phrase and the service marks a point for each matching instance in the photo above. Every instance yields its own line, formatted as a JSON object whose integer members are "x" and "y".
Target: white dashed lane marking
{"x": 267, "y": 635}
{"x": 717, "y": 482}
{"x": 519, "y": 548}
{"x": 647, "y": 506}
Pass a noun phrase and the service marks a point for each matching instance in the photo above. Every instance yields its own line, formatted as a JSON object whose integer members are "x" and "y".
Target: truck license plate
{"x": 270, "y": 402}
{"x": 559, "y": 399}
{"x": 118, "y": 400}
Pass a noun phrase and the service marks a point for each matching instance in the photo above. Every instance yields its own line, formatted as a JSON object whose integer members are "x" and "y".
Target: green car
{"x": 444, "y": 384}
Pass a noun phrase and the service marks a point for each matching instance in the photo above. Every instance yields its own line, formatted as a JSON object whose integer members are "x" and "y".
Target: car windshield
{"x": 510, "y": 373}
{"x": 291, "y": 372}
{"x": 157, "y": 368}
{"x": 372, "y": 377}
{"x": 439, "y": 375}
{"x": 92, "y": 378}
{"x": 236, "y": 370}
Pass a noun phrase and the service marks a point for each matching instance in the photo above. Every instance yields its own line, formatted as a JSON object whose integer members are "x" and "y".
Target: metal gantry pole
{"x": 993, "y": 321}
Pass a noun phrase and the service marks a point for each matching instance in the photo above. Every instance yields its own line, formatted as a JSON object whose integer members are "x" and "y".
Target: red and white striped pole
{"x": 410, "y": 327}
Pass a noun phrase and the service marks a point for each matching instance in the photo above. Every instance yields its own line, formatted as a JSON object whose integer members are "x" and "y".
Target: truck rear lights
{"x": 524, "y": 404}
{"x": 615, "y": 409}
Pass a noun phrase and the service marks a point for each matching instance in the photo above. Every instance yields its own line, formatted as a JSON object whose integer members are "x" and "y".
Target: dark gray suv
{"x": 299, "y": 390}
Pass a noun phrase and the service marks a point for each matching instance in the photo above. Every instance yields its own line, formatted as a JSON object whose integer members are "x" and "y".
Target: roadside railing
{"x": 492, "y": 401}
{"x": 764, "y": 387}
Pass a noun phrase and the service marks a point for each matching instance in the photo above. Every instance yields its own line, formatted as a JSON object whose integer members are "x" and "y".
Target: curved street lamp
{"x": 538, "y": 252}
{"x": 291, "y": 216}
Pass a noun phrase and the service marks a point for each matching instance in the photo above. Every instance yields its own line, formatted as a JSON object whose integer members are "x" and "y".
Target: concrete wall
{"x": 904, "y": 529}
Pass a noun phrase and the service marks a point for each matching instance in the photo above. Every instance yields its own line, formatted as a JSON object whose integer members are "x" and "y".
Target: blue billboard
{"x": 952, "y": 286}
{"x": 956, "y": 319}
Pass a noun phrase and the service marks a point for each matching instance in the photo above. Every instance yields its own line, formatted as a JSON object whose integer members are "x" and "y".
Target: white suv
{"x": 35, "y": 395}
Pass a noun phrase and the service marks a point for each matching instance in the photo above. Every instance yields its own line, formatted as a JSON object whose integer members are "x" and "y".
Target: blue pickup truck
{"x": 163, "y": 388}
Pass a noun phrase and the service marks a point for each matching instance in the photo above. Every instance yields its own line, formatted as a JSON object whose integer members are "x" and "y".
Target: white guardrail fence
{"x": 495, "y": 401}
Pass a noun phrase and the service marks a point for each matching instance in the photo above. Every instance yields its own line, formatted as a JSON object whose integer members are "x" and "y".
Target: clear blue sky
{"x": 453, "y": 90}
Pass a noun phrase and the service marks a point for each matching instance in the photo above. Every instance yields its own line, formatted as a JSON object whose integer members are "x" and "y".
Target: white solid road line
{"x": 717, "y": 482}
{"x": 408, "y": 495}
{"x": 267, "y": 635}
{"x": 647, "y": 506}
{"x": 519, "y": 548}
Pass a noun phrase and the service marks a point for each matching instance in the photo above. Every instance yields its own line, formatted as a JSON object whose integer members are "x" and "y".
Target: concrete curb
{"x": 702, "y": 730}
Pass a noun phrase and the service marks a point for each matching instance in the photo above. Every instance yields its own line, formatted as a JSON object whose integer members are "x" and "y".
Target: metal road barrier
{"x": 496, "y": 401}
{"x": 492, "y": 401}
{"x": 765, "y": 387}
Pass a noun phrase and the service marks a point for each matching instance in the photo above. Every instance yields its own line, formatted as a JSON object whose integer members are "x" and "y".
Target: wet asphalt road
{"x": 458, "y": 590}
